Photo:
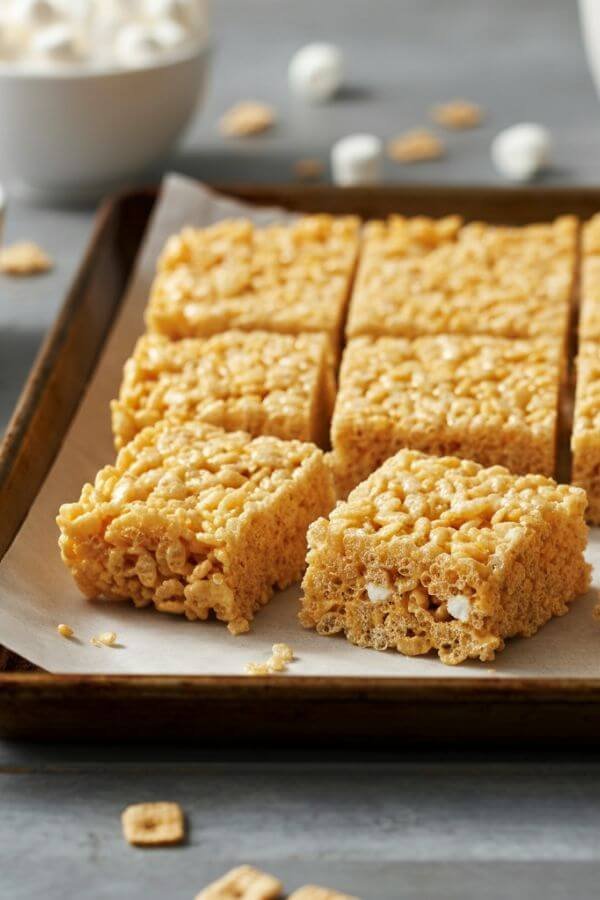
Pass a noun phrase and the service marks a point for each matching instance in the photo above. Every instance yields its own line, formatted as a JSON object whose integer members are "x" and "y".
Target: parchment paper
{"x": 37, "y": 592}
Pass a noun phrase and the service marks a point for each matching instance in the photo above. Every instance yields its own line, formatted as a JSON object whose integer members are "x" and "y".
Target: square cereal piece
{"x": 196, "y": 520}
{"x": 442, "y": 553}
{"x": 585, "y": 437}
{"x": 153, "y": 824}
{"x": 243, "y": 883}
{"x": 482, "y": 398}
{"x": 425, "y": 276}
{"x": 285, "y": 278}
{"x": 259, "y": 382}
{"x": 589, "y": 324}
{"x": 314, "y": 892}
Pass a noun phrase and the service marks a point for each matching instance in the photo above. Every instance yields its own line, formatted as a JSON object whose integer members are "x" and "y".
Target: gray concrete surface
{"x": 387, "y": 827}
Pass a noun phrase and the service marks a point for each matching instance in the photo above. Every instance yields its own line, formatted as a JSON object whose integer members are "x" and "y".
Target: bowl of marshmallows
{"x": 93, "y": 92}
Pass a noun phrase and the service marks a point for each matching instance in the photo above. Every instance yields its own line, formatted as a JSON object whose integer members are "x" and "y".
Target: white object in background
{"x": 100, "y": 128}
{"x": 58, "y": 43}
{"x": 316, "y": 72}
{"x": 589, "y": 13}
{"x": 357, "y": 159}
{"x": 521, "y": 151}
{"x": 180, "y": 11}
{"x": 30, "y": 14}
{"x": 136, "y": 45}
{"x": 169, "y": 34}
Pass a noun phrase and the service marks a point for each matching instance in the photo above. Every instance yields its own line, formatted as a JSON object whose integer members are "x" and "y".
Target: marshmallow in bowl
{"x": 357, "y": 159}
{"x": 136, "y": 44}
{"x": 58, "y": 43}
{"x": 521, "y": 151}
{"x": 316, "y": 72}
{"x": 169, "y": 34}
{"x": 180, "y": 11}
{"x": 35, "y": 13}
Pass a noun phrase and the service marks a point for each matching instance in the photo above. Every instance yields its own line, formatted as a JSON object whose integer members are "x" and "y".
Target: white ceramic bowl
{"x": 77, "y": 132}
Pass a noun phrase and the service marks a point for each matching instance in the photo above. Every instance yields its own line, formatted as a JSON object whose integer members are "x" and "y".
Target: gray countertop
{"x": 394, "y": 826}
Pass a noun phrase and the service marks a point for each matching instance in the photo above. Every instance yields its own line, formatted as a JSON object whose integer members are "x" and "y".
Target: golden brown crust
{"x": 585, "y": 437}
{"x": 258, "y": 382}
{"x": 196, "y": 520}
{"x": 444, "y": 554}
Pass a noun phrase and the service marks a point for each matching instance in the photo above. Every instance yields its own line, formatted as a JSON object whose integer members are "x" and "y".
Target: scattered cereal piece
{"x": 308, "y": 169}
{"x": 243, "y": 883}
{"x": 24, "y": 258}
{"x": 254, "y": 668}
{"x": 106, "y": 639}
{"x": 283, "y": 651}
{"x": 281, "y": 655}
{"x": 314, "y": 892}
{"x": 457, "y": 114}
{"x": 65, "y": 630}
{"x": 248, "y": 117}
{"x": 153, "y": 824}
{"x": 596, "y": 611}
{"x": 415, "y": 146}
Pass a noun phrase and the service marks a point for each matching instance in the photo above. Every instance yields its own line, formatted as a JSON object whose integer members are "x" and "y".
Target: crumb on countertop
{"x": 415, "y": 146}
{"x": 24, "y": 258}
{"x": 246, "y": 118}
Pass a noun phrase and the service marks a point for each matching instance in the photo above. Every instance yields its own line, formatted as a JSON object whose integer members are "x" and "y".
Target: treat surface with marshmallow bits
{"x": 472, "y": 556}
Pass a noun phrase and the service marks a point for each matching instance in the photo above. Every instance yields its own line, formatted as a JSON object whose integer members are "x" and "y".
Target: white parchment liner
{"x": 37, "y": 592}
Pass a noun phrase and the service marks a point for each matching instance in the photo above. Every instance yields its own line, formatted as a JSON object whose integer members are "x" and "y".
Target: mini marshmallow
{"x": 35, "y": 13}
{"x": 170, "y": 34}
{"x": 179, "y": 11}
{"x": 58, "y": 43}
{"x": 459, "y": 607}
{"x": 378, "y": 593}
{"x": 316, "y": 72}
{"x": 357, "y": 159}
{"x": 136, "y": 45}
{"x": 521, "y": 151}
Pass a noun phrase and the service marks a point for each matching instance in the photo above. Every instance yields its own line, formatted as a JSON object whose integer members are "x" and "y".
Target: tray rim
{"x": 580, "y": 692}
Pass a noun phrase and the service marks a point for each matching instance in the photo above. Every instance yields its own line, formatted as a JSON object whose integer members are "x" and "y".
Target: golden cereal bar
{"x": 196, "y": 520}
{"x": 483, "y": 398}
{"x": 259, "y": 382}
{"x": 425, "y": 276}
{"x": 284, "y": 278}
{"x": 585, "y": 438}
{"x": 442, "y": 553}
{"x": 589, "y": 325}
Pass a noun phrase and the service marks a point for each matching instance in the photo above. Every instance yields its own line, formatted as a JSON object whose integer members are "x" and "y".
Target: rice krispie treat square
{"x": 585, "y": 437}
{"x": 425, "y": 276}
{"x": 259, "y": 382}
{"x": 196, "y": 520}
{"x": 589, "y": 324}
{"x": 442, "y": 553}
{"x": 483, "y": 398}
{"x": 285, "y": 278}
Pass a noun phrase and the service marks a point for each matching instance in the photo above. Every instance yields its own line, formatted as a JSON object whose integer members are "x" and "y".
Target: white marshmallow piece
{"x": 357, "y": 159}
{"x": 180, "y": 11}
{"x": 378, "y": 593}
{"x": 316, "y": 72}
{"x": 459, "y": 607}
{"x": 136, "y": 45}
{"x": 35, "y": 13}
{"x": 170, "y": 34}
{"x": 58, "y": 44}
{"x": 521, "y": 151}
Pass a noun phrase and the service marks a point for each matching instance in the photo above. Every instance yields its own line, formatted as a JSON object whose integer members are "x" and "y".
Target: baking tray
{"x": 295, "y": 710}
